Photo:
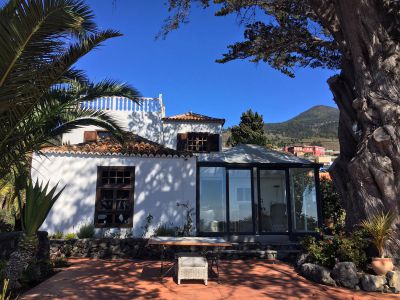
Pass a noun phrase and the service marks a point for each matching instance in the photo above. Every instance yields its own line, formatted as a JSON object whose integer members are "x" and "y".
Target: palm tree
{"x": 40, "y": 41}
{"x": 40, "y": 97}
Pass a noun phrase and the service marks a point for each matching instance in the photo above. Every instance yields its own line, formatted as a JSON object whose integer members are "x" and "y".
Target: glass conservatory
{"x": 252, "y": 190}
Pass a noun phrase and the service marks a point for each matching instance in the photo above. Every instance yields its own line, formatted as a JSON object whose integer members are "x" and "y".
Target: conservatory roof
{"x": 252, "y": 154}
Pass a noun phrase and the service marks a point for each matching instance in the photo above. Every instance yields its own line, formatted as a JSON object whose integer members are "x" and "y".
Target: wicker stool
{"x": 191, "y": 266}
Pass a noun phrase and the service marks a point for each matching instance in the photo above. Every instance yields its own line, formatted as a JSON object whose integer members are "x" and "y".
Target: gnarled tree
{"x": 361, "y": 38}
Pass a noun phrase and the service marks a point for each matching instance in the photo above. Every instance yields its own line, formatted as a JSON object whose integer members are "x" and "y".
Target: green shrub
{"x": 353, "y": 248}
{"x": 165, "y": 230}
{"x": 60, "y": 262}
{"x": 36, "y": 272}
{"x": 327, "y": 250}
{"x": 331, "y": 204}
{"x": 86, "y": 231}
{"x": 319, "y": 251}
{"x": 70, "y": 236}
{"x": 58, "y": 235}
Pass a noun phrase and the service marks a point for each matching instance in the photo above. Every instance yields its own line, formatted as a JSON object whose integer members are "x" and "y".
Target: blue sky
{"x": 183, "y": 67}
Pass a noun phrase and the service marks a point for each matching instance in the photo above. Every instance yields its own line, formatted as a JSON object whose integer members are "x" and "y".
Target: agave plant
{"x": 38, "y": 202}
{"x": 379, "y": 227}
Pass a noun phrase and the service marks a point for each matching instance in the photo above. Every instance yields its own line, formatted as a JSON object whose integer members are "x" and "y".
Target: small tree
{"x": 250, "y": 130}
{"x": 331, "y": 202}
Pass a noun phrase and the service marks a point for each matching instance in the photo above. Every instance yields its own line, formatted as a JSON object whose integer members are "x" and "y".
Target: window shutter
{"x": 181, "y": 141}
{"x": 213, "y": 143}
{"x": 89, "y": 136}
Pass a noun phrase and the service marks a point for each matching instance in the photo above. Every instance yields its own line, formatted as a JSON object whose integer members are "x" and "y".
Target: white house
{"x": 244, "y": 192}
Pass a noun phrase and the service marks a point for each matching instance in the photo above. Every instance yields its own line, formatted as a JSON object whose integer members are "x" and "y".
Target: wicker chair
{"x": 191, "y": 266}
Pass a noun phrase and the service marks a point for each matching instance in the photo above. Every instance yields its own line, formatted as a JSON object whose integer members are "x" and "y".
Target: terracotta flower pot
{"x": 382, "y": 265}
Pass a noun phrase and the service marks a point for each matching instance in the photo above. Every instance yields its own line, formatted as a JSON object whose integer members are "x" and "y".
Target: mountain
{"x": 315, "y": 126}
{"x": 317, "y": 122}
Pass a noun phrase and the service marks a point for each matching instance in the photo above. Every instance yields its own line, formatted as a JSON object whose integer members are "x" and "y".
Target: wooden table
{"x": 204, "y": 242}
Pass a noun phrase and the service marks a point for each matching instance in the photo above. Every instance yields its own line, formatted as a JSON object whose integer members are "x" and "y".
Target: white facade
{"x": 143, "y": 118}
{"x": 160, "y": 183}
{"x": 172, "y": 128}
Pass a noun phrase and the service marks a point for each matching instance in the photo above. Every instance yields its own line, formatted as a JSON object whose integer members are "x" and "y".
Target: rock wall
{"x": 104, "y": 248}
{"x": 9, "y": 243}
{"x": 345, "y": 274}
{"x": 136, "y": 248}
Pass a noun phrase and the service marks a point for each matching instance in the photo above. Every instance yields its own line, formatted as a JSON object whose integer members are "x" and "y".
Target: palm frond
{"x": 107, "y": 88}
{"x": 32, "y": 33}
{"x": 59, "y": 112}
{"x": 40, "y": 91}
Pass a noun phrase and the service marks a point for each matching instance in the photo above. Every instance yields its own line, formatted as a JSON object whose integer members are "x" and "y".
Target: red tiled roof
{"x": 134, "y": 146}
{"x": 192, "y": 117}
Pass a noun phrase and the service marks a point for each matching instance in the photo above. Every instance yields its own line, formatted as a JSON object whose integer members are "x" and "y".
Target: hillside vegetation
{"x": 315, "y": 126}
{"x": 319, "y": 121}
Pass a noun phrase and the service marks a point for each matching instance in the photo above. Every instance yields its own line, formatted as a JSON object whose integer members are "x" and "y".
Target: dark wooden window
{"x": 198, "y": 142}
{"x": 114, "y": 197}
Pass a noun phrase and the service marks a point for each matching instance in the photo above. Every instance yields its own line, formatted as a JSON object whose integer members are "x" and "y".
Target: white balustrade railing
{"x": 125, "y": 104}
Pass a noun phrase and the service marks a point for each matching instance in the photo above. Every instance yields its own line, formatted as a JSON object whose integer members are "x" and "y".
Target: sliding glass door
{"x": 240, "y": 201}
{"x": 286, "y": 200}
{"x": 212, "y": 200}
{"x": 273, "y": 202}
{"x": 303, "y": 199}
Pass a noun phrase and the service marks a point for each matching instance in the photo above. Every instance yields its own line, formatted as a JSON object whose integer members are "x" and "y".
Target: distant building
{"x": 325, "y": 159}
{"x": 301, "y": 150}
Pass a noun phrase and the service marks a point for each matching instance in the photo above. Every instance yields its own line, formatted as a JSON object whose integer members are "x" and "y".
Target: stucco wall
{"x": 159, "y": 184}
{"x": 145, "y": 124}
{"x": 171, "y": 130}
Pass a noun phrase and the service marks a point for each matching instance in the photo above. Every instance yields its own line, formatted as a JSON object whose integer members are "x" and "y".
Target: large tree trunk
{"x": 367, "y": 92}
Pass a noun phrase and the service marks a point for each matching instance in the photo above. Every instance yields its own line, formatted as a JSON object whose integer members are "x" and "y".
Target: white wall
{"x": 171, "y": 130}
{"x": 145, "y": 124}
{"x": 159, "y": 184}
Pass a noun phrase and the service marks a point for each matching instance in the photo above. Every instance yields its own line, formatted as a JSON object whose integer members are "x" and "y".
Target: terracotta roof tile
{"x": 192, "y": 117}
{"x": 134, "y": 145}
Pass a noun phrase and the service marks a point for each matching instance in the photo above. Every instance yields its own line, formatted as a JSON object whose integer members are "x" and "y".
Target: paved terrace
{"x": 134, "y": 279}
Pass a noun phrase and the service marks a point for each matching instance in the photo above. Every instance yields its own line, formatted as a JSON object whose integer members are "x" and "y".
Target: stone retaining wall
{"x": 103, "y": 248}
{"x": 136, "y": 248}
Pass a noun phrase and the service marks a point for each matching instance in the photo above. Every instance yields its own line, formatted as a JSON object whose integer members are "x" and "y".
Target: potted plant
{"x": 379, "y": 227}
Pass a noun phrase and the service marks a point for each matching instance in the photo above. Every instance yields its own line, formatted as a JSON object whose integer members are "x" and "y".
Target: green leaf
{"x": 38, "y": 203}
